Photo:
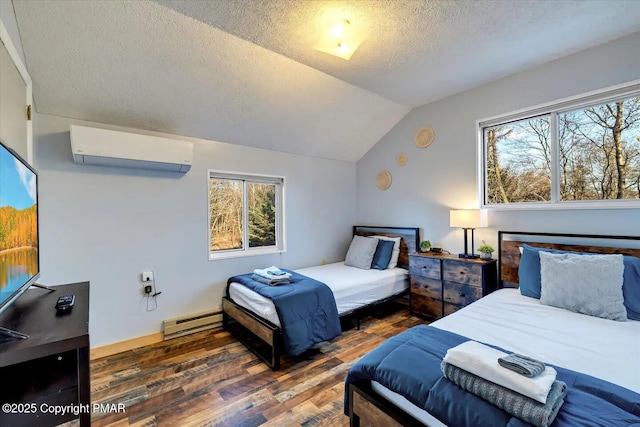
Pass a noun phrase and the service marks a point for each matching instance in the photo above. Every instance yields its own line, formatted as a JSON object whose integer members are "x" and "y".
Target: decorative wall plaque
{"x": 424, "y": 137}
{"x": 383, "y": 180}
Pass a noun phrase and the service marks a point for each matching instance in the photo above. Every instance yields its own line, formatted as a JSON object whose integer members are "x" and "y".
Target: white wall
{"x": 13, "y": 91}
{"x": 15, "y": 87}
{"x": 443, "y": 176}
{"x": 107, "y": 225}
{"x": 8, "y": 18}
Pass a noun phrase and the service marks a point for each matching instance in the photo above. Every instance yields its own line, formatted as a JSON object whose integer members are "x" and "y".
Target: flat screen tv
{"x": 19, "y": 259}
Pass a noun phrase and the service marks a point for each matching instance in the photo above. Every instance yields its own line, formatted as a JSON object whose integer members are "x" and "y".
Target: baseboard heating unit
{"x": 185, "y": 325}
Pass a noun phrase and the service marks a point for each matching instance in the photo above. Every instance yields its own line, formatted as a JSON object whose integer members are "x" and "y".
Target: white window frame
{"x": 281, "y": 241}
{"x": 601, "y": 96}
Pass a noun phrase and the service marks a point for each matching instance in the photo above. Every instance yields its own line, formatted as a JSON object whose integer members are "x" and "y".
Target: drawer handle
{"x": 462, "y": 295}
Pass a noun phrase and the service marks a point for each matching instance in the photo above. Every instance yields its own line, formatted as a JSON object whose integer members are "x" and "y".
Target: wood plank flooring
{"x": 209, "y": 379}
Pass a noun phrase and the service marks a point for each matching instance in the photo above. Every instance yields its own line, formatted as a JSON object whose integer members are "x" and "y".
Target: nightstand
{"x": 442, "y": 284}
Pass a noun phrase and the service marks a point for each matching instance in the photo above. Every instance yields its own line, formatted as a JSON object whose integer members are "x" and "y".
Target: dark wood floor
{"x": 209, "y": 379}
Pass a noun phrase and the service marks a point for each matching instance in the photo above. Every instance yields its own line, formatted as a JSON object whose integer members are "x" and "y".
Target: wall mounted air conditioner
{"x": 92, "y": 146}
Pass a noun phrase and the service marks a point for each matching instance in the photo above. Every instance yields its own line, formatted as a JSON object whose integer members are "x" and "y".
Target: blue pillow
{"x": 529, "y": 272}
{"x": 383, "y": 253}
{"x": 530, "y": 279}
{"x": 631, "y": 286}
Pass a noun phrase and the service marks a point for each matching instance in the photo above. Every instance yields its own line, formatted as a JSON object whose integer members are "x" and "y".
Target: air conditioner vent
{"x": 102, "y": 147}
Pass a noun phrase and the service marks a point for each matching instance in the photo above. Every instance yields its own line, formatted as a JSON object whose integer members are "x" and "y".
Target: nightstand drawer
{"x": 425, "y": 267}
{"x": 426, "y": 306}
{"x": 426, "y": 287}
{"x": 462, "y": 272}
{"x": 461, "y": 294}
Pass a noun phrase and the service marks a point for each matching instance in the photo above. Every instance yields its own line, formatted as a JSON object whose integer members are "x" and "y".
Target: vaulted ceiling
{"x": 244, "y": 71}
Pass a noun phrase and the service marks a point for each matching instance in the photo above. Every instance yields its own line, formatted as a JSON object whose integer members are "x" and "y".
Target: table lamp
{"x": 468, "y": 219}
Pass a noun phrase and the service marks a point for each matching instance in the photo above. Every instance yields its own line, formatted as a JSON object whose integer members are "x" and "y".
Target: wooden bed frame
{"x": 366, "y": 407}
{"x": 264, "y": 338}
{"x": 509, "y": 243}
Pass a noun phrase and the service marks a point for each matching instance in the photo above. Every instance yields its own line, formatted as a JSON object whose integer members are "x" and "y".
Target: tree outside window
{"x": 245, "y": 213}
{"x": 597, "y": 155}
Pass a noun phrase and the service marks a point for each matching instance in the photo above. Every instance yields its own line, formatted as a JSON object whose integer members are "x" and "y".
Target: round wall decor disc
{"x": 402, "y": 159}
{"x": 383, "y": 180}
{"x": 424, "y": 137}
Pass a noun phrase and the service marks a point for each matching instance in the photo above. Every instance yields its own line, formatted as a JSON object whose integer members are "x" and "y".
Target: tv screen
{"x": 19, "y": 259}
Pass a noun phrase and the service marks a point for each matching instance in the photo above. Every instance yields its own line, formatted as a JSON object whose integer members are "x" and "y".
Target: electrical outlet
{"x": 144, "y": 289}
{"x": 147, "y": 276}
{"x": 323, "y": 261}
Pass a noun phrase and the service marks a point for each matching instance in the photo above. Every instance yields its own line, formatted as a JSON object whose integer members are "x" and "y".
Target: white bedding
{"x": 599, "y": 347}
{"x": 352, "y": 288}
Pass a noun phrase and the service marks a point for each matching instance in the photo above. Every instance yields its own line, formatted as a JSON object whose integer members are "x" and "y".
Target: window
{"x": 245, "y": 214}
{"x": 583, "y": 152}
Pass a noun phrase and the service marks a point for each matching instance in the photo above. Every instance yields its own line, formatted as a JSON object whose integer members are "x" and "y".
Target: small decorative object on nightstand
{"x": 425, "y": 245}
{"x": 485, "y": 251}
{"x": 442, "y": 284}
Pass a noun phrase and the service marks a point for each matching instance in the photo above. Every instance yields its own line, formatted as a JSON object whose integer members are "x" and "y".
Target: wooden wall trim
{"x": 121, "y": 346}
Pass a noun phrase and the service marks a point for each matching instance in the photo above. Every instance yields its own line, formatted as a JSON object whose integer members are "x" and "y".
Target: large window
{"x": 583, "y": 152}
{"x": 245, "y": 214}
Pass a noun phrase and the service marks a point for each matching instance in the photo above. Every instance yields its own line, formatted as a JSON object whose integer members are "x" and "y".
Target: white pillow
{"x": 587, "y": 284}
{"x": 361, "y": 251}
{"x": 393, "y": 263}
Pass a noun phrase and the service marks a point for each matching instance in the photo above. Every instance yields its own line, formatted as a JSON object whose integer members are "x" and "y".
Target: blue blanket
{"x": 306, "y": 309}
{"x": 409, "y": 364}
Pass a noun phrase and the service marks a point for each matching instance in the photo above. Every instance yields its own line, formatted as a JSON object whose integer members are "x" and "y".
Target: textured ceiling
{"x": 418, "y": 51}
{"x": 244, "y": 71}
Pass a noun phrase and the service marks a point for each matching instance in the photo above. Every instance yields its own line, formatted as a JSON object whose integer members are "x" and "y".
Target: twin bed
{"x": 253, "y": 320}
{"x": 399, "y": 383}
{"x": 409, "y": 393}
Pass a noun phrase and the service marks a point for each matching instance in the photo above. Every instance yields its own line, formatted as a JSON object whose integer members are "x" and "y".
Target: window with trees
{"x": 572, "y": 153}
{"x": 245, "y": 214}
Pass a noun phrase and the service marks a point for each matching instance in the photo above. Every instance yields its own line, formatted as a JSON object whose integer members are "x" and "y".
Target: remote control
{"x": 65, "y": 304}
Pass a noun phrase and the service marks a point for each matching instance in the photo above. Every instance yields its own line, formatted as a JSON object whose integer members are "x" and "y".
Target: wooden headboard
{"x": 509, "y": 243}
{"x": 409, "y": 243}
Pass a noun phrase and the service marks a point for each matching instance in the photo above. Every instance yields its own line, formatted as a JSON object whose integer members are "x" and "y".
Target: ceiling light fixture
{"x": 337, "y": 30}
{"x": 341, "y": 40}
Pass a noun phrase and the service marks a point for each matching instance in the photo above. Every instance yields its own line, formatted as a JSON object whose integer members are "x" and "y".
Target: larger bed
{"x": 253, "y": 319}
{"x": 601, "y": 348}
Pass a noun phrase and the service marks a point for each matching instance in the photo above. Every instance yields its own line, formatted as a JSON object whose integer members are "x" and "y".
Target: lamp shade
{"x": 468, "y": 218}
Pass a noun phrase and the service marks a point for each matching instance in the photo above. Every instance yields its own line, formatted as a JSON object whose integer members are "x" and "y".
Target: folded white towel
{"x": 482, "y": 361}
{"x": 272, "y": 272}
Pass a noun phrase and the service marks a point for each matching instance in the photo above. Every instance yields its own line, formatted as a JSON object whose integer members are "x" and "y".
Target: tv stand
{"x": 37, "y": 285}
{"x": 51, "y": 368}
{"x": 11, "y": 334}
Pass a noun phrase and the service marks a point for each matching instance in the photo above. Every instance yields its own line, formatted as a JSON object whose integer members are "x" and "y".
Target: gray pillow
{"x": 587, "y": 284}
{"x": 360, "y": 253}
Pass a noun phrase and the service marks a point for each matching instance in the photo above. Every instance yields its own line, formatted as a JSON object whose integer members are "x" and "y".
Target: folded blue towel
{"x": 271, "y": 282}
{"x": 516, "y": 404}
{"x": 523, "y": 365}
{"x": 276, "y": 271}
{"x": 272, "y": 272}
